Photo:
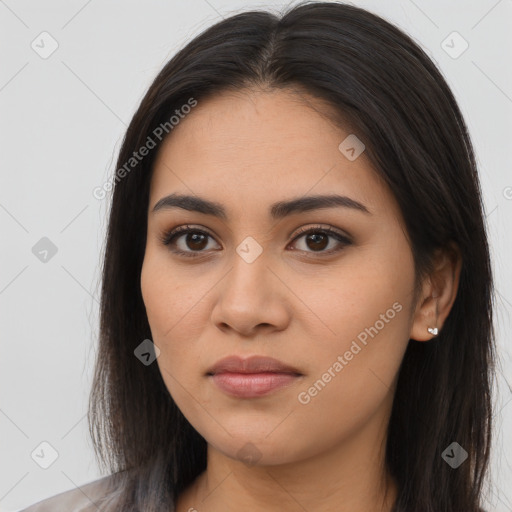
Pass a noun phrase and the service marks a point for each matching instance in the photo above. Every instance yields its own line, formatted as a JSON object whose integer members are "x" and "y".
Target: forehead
{"x": 248, "y": 147}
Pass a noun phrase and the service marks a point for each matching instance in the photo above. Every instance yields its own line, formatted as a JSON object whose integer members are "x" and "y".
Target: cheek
{"x": 353, "y": 375}
{"x": 168, "y": 298}
{"x": 342, "y": 407}
{"x": 367, "y": 298}
{"x": 362, "y": 333}
{"x": 176, "y": 319}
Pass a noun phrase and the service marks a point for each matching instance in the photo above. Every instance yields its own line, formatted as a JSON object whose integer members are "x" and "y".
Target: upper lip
{"x": 253, "y": 364}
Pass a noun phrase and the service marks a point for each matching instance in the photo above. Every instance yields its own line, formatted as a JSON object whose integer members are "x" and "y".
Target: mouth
{"x": 253, "y": 377}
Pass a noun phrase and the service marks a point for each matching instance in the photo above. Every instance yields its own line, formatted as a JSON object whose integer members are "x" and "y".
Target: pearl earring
{"x": 433, "y": 330}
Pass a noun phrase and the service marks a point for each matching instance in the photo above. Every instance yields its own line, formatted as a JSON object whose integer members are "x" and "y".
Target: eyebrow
{"x": 277, "y": 210}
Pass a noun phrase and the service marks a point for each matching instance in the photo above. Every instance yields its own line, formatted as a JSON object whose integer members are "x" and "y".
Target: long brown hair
{"x": 380, "y": 81}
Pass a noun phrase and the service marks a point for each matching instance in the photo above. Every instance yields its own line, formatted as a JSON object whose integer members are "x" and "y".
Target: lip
{"x": 252, "y": 364}
{"x": 252, "y": 377}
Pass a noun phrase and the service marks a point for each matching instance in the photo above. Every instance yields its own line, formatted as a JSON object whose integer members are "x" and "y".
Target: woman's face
{"x": 338, "y": 311}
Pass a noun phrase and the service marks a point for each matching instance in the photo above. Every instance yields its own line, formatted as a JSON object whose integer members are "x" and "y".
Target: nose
{"x": 252, "y": 298}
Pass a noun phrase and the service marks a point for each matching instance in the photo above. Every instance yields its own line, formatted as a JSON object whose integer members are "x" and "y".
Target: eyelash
{"x": 169, "y": 237}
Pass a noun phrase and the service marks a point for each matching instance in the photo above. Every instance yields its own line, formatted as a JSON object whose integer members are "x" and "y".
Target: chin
{"x": 261, "y": 450}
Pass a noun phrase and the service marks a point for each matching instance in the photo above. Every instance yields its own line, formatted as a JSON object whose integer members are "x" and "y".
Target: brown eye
{"x": 317, "y": 239}
{"x": 196, "y": 241}
{"x": 189, "y": 241}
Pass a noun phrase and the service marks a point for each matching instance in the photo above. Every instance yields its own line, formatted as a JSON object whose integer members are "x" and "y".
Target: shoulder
{"x": 84, "y": 498}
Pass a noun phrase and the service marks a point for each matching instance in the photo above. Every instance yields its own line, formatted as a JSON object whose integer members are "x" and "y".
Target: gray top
{"x": 87, "y": 498}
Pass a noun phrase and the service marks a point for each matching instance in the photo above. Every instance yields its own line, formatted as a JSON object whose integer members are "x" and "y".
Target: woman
{"x": 297, "y": 293}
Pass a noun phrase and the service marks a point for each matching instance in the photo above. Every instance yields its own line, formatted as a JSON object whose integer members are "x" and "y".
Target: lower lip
{"x": 252, "y": 385}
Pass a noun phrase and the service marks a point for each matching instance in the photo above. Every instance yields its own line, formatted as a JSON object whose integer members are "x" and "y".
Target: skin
{"x": 247, "y": 150}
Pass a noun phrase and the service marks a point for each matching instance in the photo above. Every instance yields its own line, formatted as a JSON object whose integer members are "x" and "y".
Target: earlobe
{"x": 438, "y": 295}
{"x": 426, "y": 319}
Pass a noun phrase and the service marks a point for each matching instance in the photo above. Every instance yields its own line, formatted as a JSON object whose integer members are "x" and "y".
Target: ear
{"x": 438, "y": 293}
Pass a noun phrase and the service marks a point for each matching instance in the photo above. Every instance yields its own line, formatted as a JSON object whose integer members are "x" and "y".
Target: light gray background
{"x": 62, "y": 122}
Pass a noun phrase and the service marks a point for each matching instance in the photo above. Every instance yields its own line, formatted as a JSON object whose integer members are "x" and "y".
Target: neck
{"x": 349, "y": 477}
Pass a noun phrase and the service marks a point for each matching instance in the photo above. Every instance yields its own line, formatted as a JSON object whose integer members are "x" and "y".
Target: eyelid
{"x": 326, "y": 229}
{"x": 170, "y": 234}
